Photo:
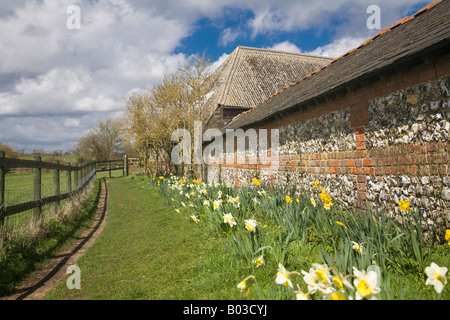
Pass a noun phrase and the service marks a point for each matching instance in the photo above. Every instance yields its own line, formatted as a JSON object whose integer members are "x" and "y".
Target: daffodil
{"x": 259, "y": 261}
{"x": 300, "y": 295}
{"x": 366, "y": 284}
{"x": 315, "y": 183}
{"x": 341, "y": 224}
{"x": 193, "y": 217}
{"x": 436, "y": 277}
{"x": 288, "y": 199}
{"x": 404, "y": 205}
{"x": 161, "y": 177}
{"x": 228, "y": 218}
{"x": 250, "y": 224}
{"x": 336, "y": 295}
{"x": 357, "y": 247}
{"x": 313, "y": 202}
{"x": 447, "y": 236}
{"x": 243, "y": 284}
{"x": 217, "y": 204}
{"x": 177, "y": 210}
{"x": 256, "y": 182}
{"x": 283, "y": 276}
{"x": 322, "y": 272}
{"x": 341, "y": 282}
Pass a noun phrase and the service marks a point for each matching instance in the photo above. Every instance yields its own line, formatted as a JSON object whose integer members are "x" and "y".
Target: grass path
{"x": 146, "y": 250}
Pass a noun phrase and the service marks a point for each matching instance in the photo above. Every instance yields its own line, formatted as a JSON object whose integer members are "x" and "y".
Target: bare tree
{"x": 178, "y": 101}
{"x": 103, "y": 142}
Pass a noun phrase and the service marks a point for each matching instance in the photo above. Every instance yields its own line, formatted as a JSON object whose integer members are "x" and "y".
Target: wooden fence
{"x": 82, "y": 174}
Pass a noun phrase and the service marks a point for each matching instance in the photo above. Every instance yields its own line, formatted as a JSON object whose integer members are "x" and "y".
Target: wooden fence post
{"x": 56, "y": 188}
{"x": 69, "y": 179}
{"x": 2, "y": 195}
{"x": 80, "y": 177}
{"x": 125, "y": 166}
{"x": 37, "y": 212}
{"x": 109, "y": 167}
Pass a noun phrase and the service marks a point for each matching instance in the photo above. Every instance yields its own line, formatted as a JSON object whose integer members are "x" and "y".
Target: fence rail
{"x": 82, "y": 174}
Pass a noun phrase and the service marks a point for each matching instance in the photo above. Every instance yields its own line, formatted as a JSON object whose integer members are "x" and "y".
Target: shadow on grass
{"x": 22, "y": 260}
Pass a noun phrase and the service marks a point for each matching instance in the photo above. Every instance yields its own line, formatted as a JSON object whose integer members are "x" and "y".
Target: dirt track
{"x": 41, "y": 282}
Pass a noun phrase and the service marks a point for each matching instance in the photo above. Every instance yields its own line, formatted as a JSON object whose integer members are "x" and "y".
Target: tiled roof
{"x": 411, "y": 35}
{"x": 252, "y": 75}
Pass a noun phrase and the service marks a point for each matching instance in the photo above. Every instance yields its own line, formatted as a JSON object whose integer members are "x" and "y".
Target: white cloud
{"x": 228, "y": 35}
{"x": 337, "y": 47}
{"x": 51, "y": 77}
{"x": 286, "y": 46}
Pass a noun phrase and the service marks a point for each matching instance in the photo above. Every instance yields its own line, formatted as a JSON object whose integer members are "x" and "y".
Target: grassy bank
{"x": 26, "y": 249}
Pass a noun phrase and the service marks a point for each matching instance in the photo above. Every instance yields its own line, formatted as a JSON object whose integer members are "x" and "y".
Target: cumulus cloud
{"x": 55, "y": 82}
{"x": 286, "y": 46}
{"x": 338, "y": 47}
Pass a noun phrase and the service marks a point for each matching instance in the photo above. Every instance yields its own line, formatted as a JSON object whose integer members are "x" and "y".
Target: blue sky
{"x": 56, "y": 83}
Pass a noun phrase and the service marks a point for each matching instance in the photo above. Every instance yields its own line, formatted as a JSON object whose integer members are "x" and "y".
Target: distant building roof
{"x": 427, "y": 30}
{"x": 250, "y": 75}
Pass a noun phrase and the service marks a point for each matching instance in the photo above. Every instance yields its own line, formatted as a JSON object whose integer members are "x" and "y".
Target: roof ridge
{"x": 231, "y": 73}
{"x": 385, "y": 30}
{"x": 285, "y": 52}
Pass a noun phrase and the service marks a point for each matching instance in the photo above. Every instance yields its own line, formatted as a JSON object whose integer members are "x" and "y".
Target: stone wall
{"x": 373, "y": 146}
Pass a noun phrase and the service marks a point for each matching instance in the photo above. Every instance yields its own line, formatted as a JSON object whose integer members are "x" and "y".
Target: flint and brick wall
{"x": 373, "y": 146}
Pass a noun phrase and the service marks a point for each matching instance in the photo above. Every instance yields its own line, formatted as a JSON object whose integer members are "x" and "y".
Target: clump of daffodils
{"x": 325, "y": 197}
{"x": 329, "y": 284}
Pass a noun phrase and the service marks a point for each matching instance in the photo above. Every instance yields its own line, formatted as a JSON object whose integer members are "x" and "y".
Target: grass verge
{"x": 26, "y": 249}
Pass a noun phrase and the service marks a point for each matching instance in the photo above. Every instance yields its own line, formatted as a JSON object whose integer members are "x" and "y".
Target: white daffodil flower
{"x": 250, "y": 224}
{"x": 283, "y": 276}
{"x": 366, "y": 284}
{"x": 228, "y": 218}
{"x": 436, "y": 277}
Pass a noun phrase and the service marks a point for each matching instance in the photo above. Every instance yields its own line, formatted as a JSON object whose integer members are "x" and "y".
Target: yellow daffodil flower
{"x": 341, "y": 224}
{"x": 288, "y": 199}
{"x": 256, "y": 182}
{"x": 313, "y": 202}
{"x": 315, "y": 183}
{"x": 447, "y": 236}
{"x": 404, "y": 205}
